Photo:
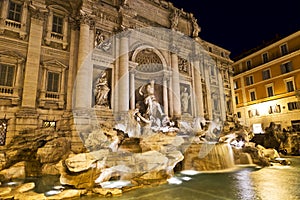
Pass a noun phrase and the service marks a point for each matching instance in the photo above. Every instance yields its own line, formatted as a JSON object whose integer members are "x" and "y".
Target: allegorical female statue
{"x": 101, "y": 90}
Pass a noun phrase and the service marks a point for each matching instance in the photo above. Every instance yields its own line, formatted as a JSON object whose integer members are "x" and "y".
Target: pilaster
{"x": 33, "y": 58}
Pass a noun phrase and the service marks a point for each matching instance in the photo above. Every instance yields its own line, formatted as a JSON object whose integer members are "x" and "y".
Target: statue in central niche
{"x": 150, "y": 111}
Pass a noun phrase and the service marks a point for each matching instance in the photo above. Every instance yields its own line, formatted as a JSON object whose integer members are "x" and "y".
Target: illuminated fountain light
{"x": 190, "y": 172}
{"x": 52, "y": 192}
{"x": 13, "y": 183}
{"x": 174, "y": 181}
{"x": 186, "y": 178}
{"x": 115, "y": 184}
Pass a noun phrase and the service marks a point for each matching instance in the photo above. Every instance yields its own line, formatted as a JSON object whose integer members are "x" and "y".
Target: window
{"x": 249, "y": 80}
{"x": 212, "y": 70}
{"x": 266, "y": 74}
{"x": 284, "y": 49}
{"x": 294, "y": 105}
{"x": 236, "y": 100}
{"x": 252, "y": 94}
{"x": 270, "y": 91}
{"x": 49, "y": 124}
{"x": 209, "y": 49}
{"x": 248, "y": 64}
{"x": 290, "y": 86}
{"x": 14, "y": 12}
{"x": 265, "y": 57}
{"x": 6, "y": 75}
{"x": 3, "y": 131}
{"x": 57, "y": 24}
{"x": 286, "y": 67}
{"x": 53, "y": 82}
{"x": 239, "y": 114}
{"x": 235, "y": 85}
{"x": 274, "y": 109}
{"x": 250, "y": 113}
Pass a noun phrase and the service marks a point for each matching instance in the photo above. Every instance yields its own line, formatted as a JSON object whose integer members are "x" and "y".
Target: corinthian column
{"x": 165, "y": 96}
{"x": 221, "y": 89}
{"x": 208, "y": 89}
{"x": 123, "y": 83}
{"x": 84, "y": 71}
{"x": 198, "y": 87}
{"x": 175, "y": 86}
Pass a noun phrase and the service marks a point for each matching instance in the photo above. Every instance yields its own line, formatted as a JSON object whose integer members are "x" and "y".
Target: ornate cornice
{"x": 85, "y": 18}
{"x": 38, "y": 13}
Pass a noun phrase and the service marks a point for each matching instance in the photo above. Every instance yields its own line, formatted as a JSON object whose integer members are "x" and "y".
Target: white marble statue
{"x": 101, "y": 90}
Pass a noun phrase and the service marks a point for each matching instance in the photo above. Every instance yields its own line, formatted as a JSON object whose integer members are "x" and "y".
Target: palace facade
{"x": 64, "y": 63}
{"x": 267, "y": 83}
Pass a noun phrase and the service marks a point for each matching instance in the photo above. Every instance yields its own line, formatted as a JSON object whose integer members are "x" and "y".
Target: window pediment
{"x": 11, "y": 57}
{"x": 58, "y": 9}
{"x": 54, "y": 65}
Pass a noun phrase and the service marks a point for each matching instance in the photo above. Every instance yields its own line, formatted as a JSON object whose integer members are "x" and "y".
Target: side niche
{"x": 102, "y": 89}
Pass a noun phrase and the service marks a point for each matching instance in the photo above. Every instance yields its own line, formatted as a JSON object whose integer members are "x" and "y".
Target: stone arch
{"x": 156, "y": 53}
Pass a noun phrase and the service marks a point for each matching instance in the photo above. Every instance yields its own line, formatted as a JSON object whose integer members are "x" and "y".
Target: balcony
{"x": 12, "y": 24}
{"x": 57, "y": 36}
{"x": 7, "y": 91}
{"x": 53, "y": 100}
{"x": 52, "y": 95}
{"x": 11, "y": 95}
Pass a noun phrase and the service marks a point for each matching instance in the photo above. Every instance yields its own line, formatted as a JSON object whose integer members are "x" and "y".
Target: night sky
{"x": 239, "y": 26}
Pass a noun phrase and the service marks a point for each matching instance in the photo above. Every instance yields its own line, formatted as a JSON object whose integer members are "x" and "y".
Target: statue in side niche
{"x": 101, "y": 90}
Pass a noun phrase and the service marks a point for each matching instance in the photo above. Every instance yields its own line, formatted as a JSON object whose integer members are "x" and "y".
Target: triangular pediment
{"x": 12, "y": 55}
{"x": 54, "y": 63}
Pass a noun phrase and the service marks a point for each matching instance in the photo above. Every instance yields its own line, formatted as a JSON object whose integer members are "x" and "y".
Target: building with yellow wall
{"x": 267, "y": 85}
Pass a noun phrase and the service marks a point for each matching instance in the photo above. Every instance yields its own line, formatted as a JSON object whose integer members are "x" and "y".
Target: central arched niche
{"x": 148, "y": 61}
{"x": 150, "y": 69}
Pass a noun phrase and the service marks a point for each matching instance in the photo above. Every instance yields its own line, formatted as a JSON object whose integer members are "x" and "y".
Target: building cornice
{"x": 275, "y": 44}
{"x": 268, "y": 64}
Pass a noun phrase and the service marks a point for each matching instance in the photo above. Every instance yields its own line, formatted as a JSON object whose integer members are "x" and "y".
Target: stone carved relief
{"x": 101, "y": 42}
{"x": 183, "y": 66}
{"x": 148, "y": 61}
{"x": 174, "y": 18}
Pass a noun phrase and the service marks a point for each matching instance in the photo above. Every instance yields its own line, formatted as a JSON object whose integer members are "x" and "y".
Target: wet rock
{"x": 4, "y": 191}
{"x": 25, "y": 187}
{"x": 52, "y": 169}
{"x": 107, "y": 191}
{"x": 84, "y": 179}
{"x": 54, "y": 151}
{"x": 161, "y": 142}
{"x": 271, "y": 154}
{"x": 84, "y": 161}
{"x": 98, "y": 139}
{"x": 257, "y": 155}
{"x": 15, "y": 171}
{"x": 67, "y": 194}
{"x": 30, "y": 196}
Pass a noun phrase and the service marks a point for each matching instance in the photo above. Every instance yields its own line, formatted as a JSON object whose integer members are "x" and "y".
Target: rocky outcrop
{"x": 36, "y": 147}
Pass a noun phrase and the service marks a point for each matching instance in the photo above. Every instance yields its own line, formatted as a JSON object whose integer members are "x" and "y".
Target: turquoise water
{"x": 270, "y": 183}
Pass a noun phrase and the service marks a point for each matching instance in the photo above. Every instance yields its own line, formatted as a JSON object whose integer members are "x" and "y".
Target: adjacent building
{"x": 267, "y": 83}
{"x": 54, "y": 55}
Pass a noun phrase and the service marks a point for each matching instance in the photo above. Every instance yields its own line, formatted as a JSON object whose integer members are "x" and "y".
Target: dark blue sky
{"x": 242, "y": 25}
